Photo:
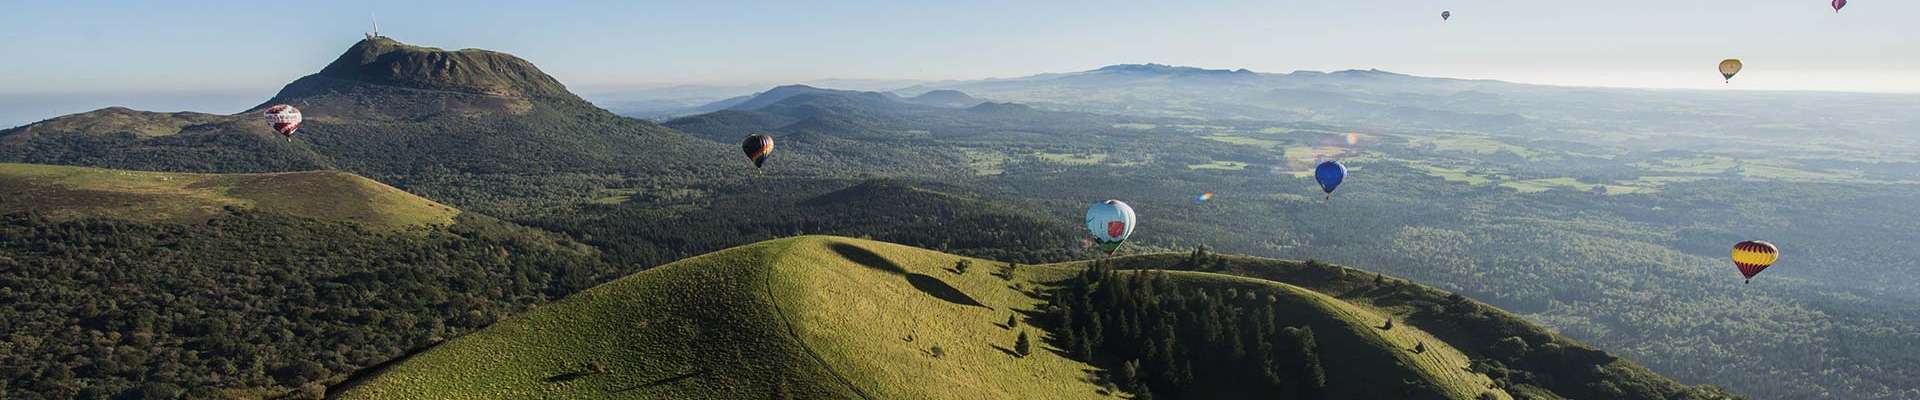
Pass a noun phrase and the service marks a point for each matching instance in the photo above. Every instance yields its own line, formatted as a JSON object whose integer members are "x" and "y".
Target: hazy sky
{"x": 254, "y": 46}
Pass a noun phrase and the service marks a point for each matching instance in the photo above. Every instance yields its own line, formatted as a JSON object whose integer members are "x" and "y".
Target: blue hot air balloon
{"x": 1329, "y": 174}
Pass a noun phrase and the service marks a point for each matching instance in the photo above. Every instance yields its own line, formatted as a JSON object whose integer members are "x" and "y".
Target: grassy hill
{"x": 1524, "y": 359}
{"x": 832, "y": 317}
{"x": 63, "y": 191}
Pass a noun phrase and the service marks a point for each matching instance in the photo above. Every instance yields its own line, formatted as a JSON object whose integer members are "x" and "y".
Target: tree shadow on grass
{"x": 568, "y": 376}
{"x": 663, "y": 381}
{"x": 926, "y": 284}
{"x": 1010, "y": 352}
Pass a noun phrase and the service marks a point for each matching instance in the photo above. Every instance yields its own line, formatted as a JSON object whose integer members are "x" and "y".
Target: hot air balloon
{"x": 1110, "y": 222}
{"x": 1753, "y": 256}
{"x": 1446, "y": 15}
{"x": 1729, "y": 67}
{"x": 1837, "y": 4}
{"x": 1329, "y": 174}
{"x": 757, "y": 147}
{"x": 284, "y": 119}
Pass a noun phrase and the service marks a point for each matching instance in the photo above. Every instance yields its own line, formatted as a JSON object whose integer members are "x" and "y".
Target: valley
{"x": 1601, "y": 215}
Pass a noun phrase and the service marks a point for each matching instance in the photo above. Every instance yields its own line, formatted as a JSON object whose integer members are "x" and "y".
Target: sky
{"x": 154, "y": 49}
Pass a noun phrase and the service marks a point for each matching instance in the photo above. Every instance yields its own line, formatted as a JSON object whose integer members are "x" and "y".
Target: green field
{"x": 1244, "y": 140}
{"x": 1072, "y": 159}
{"x": 62, "y": 191}
{"x": 1460, "y": 175}
{"x": 1220, "y": 165}
{"x": 985, "y": 161}
{"x": 1473, "y": 144}
{"x": 832, "y": 317}
{"x": 1706, "y": 165}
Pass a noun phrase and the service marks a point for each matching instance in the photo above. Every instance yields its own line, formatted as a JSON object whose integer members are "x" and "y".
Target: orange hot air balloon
{"x": 1753, "y": 256}
{"x": 757, "y": 147}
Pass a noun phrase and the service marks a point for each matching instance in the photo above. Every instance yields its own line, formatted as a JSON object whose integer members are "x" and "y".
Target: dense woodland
{"x": 1162, "y": 341}
{"x": 253, "y": 304}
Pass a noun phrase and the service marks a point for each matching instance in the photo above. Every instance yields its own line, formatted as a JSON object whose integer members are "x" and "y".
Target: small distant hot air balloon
{"x": 284, "y": 119}
{"x": 1446, "y": 15}
{"x": 1729, "y": 67}
{"x": 1753, "y": 256}
{"x": 1203, "y": 197}
{"x": 757, "y": 147}
{"x": 1837, "y": 4}
{"x": 1110, "y": 222}
{"x": 1330, "y": 174}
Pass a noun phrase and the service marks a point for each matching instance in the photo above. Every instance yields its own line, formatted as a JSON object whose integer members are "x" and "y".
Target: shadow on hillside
{"x": 568, "y": 376}
{"x": 935, "y": 287}
{"x": 663, "y": 381}
{"x": 867, "y": 258}
{"x": 926, "y": 284}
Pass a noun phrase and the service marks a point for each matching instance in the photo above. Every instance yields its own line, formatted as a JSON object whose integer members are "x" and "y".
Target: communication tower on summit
{"x": 376, "y": 26}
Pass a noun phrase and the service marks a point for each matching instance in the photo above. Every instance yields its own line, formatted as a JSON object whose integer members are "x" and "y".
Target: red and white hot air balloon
{"x": 285, "y": 119}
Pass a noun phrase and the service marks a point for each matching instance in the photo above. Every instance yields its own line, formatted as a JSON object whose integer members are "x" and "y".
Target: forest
{"x": 254, "y": 304}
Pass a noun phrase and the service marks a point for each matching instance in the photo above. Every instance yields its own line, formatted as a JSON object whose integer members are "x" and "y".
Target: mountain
{"x": 246, "y": 285}
{"x": 78, "y": 192}
{"x": 831, "y": 317}
{"x": 460, "y": 126}
{"x": 944, "y": 116}
{"x": 945, "y": 98}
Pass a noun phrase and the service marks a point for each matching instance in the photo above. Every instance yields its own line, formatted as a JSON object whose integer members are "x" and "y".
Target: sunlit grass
{"x": 184, "y": 197}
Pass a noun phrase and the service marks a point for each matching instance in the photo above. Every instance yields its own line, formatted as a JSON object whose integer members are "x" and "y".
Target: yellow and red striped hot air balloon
{"x": 1753, "y": 256}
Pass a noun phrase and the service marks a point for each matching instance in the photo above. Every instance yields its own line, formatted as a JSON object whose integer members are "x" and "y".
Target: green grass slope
{"x": 815, "y": 316}
{"x": 1523, "y": 359}
{"x": 832, "y": 317}
{"x": 73, "y": 192}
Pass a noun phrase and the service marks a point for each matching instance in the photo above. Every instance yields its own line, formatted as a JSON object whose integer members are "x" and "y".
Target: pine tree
{"x": 1313, "y": 376}
{"x": 780, "y": 391}
{"x": 1143, "y": 393}
{"x": 1130, "y": 374}
{"x": 1012, "y": 322}
{"x": 1022, "y": 346}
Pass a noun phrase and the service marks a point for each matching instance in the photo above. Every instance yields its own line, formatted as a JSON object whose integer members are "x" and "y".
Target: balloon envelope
{"x": 1330, "y": 174}
{"x": 1837, "y": 4}
{"x": 1110, "y": 222}
{"x": 284, "y": 119}
{"x": 1730, "y": 67}
{"x": 757, "y": 147}
{"x": 1446, "y": 15}
{"x": 1753, "y": 256}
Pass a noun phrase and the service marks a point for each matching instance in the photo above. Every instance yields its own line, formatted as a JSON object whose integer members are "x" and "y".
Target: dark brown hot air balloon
{"x": 757, "y": 147}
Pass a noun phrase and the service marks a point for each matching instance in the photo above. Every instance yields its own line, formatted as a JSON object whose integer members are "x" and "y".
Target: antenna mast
{"x": 376, "y": 26}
